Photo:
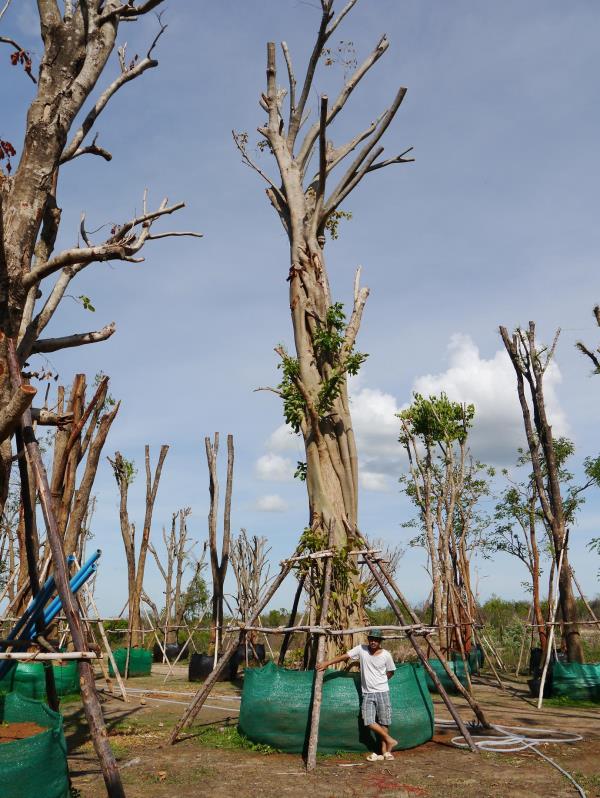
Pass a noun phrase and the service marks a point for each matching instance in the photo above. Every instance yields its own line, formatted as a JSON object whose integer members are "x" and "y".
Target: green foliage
{"x": 328, "y": 339}
{"x": 328, "y": 343}
{"x": 124, "y": 469}
{"x": 294, "y": 405}
{"x": 437, "y": 419}
{"x": 87, "y": 303}
{"x": 196, "y": 598}
{"x": 276, "y": 617}
{"x": 301, "y": 471}
{"x": 333, "y": 222}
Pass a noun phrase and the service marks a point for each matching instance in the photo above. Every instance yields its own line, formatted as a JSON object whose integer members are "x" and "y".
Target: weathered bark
{"x": 314, "y": 388}
{"x": 530, "y": 364}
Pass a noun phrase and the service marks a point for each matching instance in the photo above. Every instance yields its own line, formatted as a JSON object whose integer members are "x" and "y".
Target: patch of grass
{"x": 565, "y": 701}
{"x": 588, "y": 782}
{"x": 228, "y": 737}
{"x": 74, "y": 698}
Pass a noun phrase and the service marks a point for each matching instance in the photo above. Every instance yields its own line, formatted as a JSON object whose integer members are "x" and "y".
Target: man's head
{"x": 374, "y": 638}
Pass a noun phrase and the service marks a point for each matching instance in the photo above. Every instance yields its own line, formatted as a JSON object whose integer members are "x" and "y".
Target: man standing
{"x": 376, "y": 667}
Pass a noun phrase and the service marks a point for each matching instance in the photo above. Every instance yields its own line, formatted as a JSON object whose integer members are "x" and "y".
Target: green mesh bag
{"x": 576, "y": 681}
{"x": 7, "y": 682}
{"x": 29, "y": 679}
{"x": 459, "y": 669}
{"x": 140, "y": 661}
{"x": 275, "y": 709}
{"x": 35, "y": 767}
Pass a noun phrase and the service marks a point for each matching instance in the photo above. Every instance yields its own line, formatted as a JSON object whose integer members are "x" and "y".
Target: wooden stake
{"x": 315, "y": 715}
{"x": 548, "y": 652}
{"x": 288, "y": 635}
{"x": 107, "y": 647}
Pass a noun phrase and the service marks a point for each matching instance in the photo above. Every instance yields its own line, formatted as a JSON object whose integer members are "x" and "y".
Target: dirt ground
{"x": 198, "y": 766}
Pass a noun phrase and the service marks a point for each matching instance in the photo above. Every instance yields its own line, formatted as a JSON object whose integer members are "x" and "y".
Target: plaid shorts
{"x": 376, "y": 707}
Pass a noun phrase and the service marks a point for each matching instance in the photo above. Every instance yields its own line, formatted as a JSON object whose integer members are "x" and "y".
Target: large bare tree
{"x": 314, "y": 384}
{"x": 530, "y": 362}
{"x": 78, "y": 40}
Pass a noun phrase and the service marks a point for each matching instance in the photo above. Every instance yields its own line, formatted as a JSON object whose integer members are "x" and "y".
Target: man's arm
{"x": 390, "y": 674}
{"x": 321, "y": 666}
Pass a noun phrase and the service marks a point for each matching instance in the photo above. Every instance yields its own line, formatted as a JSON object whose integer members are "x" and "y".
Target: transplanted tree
{"x": 124, "y": 473}
{"x": 446, "y": 485}
{"x": 519, "y": 515}
{"x": 531, "y": 363}
{"x": 314, "y": 381}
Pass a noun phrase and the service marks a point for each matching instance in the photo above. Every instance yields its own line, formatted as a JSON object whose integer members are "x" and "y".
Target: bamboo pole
{"x": 91, "y": 703}
{"x": 317, "y": 697}
{"x": 45, "y": 656}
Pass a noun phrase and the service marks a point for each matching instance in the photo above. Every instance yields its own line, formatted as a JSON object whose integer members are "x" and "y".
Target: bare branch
{"x": 91, "y": 149}
{"x": 322, "y": 155}
{"x": 5, "y": 8}
{"x": 10, "y": 415}
{"x": 121, "y": 246}
{"x": 125, "y": 76}
{"x": 311, "y": 137}
{"x": 341, "y": 16}
{"x": 68, "y": 341}
{"x": 22, "y": 54}
{"x": 291, "y": 80}
{"x": 129, "y": 10}
{"x": 398, "y": 159}
{"x": 240, "y": 144}
{"x": 322, "y": 37}
{"x": 584, "y": 350}
{"x": 35, "y": 327}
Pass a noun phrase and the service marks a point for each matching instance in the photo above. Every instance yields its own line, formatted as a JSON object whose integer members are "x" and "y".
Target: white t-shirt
{"x": 373, "y": 668}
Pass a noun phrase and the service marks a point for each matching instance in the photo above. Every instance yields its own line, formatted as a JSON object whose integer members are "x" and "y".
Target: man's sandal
{"x": 388, "y": 756}
{"x": 375, "y": 757}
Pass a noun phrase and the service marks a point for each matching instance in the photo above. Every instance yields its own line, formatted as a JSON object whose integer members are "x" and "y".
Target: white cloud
{"x": 375, "y": 481}
{"x": 491, "y": 386}
{"x": 274, "y": 468}
{"x": 284, "y": 439}
{"x": 271, "y": 503}
{"x": 376, "y": 428}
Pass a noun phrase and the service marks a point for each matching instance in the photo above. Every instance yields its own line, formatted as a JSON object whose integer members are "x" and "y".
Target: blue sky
{"x": 493, "y": 224}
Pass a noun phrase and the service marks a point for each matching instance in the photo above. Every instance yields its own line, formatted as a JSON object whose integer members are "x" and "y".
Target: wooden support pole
{"x": 317, "y": 697}
{"x": 107, "y": 647}
{"x": 89, "y": 696}
{"x": 47, "y": 656}
{"x": 292, "y": 620}
{"x": 518, "y": 668}
{"x": 202, "y": 694}
{"x": 583, "y": 598}
{"x": 432, "y": 674}
{"x": 553, "y": 609}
